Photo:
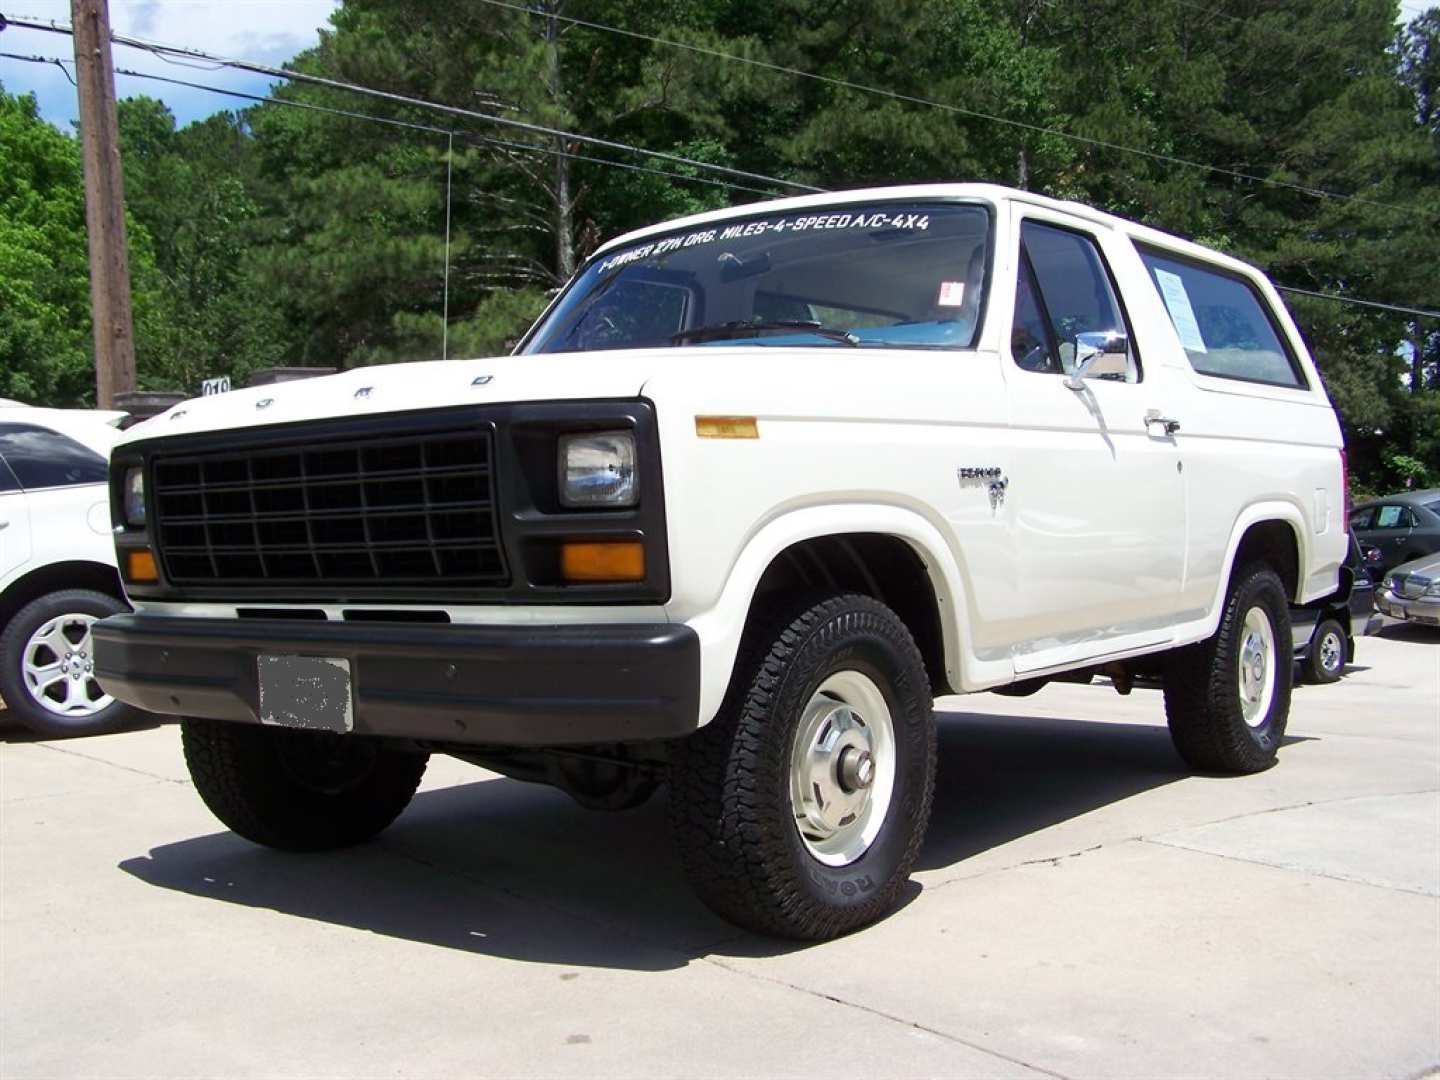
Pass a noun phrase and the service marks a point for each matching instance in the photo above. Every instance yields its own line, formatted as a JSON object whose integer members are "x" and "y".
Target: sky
{"x": 270, "y": 31}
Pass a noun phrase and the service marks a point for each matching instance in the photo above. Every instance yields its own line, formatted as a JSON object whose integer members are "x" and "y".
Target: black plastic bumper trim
{"x": 481, "y": 685}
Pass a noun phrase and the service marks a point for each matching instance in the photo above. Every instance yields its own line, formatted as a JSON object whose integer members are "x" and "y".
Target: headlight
{"x": 135, "y": 497}
{"x": 598, "y": 470}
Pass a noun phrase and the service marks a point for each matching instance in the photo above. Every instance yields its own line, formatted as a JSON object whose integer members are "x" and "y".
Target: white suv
{"x": 57, "y": 566}
{"x": 757, "y": 487}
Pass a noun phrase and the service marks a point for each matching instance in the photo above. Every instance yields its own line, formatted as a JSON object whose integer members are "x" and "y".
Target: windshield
{"x": 905, "y": 275}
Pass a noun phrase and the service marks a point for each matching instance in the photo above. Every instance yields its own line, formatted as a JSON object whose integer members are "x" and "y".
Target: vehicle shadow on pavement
{"x": 509, "y": 869}
{"x": 1003, "y": 777}
{"x": 1422, "y": 635}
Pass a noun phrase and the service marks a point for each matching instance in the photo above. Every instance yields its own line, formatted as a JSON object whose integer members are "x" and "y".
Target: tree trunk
{"x": 1417, "y": 358}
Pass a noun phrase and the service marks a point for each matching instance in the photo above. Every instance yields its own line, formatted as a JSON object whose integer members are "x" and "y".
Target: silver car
{"x": 1412, "y": 591}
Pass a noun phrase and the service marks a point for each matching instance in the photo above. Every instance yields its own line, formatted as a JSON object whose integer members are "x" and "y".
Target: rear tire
{"x": 799, "y": 810}
{"x": 298, "y": 790}
{"x": 1329, "y": 653}
{"x": 1228, "y": 699}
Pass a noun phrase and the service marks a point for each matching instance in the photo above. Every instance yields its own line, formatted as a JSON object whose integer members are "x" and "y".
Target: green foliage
{"x": 44, "y": 273}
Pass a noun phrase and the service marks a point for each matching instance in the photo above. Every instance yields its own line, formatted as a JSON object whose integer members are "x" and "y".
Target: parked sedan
{"x": 1412, "y": 591}
{"x": 1403, "y": 526}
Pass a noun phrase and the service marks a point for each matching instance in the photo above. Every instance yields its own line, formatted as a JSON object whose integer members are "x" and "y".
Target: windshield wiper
{"x": 744, "y": 327}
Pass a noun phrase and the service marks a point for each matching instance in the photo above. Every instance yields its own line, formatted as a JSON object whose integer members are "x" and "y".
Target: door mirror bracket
{"x": 1090, "y": 346}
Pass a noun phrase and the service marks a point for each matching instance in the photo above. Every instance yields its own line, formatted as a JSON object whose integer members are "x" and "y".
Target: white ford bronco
{"x": 756, "y": 488}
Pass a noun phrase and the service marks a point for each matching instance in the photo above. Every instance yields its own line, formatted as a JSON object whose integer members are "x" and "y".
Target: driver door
{"x": 1096, "y": 498}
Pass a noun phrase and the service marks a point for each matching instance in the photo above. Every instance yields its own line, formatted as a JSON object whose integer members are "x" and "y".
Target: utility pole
{"x": 104, "y": 202}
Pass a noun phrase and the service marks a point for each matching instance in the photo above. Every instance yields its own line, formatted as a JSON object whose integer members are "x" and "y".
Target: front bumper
{"x": 1424, "y": 610}
{"x": 449, "y": 683}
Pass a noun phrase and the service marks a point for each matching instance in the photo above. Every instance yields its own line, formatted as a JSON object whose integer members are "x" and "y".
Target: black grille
{"x": 380, "y": 512}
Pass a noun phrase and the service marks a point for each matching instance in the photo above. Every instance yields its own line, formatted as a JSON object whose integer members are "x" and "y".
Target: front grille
{"x": 387, "y": 511}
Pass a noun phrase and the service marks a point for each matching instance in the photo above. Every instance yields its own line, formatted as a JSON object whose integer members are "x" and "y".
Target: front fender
{"x": 720, "y": 628}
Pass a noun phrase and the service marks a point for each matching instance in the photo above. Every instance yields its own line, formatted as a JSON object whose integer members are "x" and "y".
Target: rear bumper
{"x": 483, "y": 685}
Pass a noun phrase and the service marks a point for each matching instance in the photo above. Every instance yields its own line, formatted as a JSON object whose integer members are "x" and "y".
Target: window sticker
{"x": 1177, "y": 302}
{"x": 952, "y": 294}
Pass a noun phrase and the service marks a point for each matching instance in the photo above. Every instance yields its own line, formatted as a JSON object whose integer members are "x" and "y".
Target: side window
{"x": 1390, "y": 517}
{"x": 41, "y": 458}
{"x": 1030, "y": 343}
{"x": 1074, "y": 294}
{"x": 1223, "y": 323}
{"x": 1363, "y": 519}
{"x": 7, "y": 478}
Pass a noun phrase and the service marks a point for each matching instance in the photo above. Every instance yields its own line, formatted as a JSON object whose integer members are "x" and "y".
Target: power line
{"x": 42, "y": 60}
{"x": 464, "y": 135}
{"x": 467, "y": 136}
{"x": 1374, "y": 304}
{"x": 1400, "y": 308}
{"x": 1314, "y": 192}
{"x": 166, "y": 52}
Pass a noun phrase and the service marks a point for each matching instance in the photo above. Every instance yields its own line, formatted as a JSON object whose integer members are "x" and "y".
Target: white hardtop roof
{"x": 995, "y": 194}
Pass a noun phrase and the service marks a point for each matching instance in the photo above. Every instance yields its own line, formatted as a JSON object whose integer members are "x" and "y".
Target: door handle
{"x": 4, "y": 525}
{"x": 1169, "y": 426}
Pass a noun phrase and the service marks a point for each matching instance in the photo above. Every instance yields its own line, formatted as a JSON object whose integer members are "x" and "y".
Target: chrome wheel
{"x": 58, "y": 667}
{"x": 1332, "y": 652}
{"x": 842, "y": 768}
{"x": 1257, "y": 666}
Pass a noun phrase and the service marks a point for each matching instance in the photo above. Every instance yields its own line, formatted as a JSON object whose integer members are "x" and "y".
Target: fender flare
{"x": 1256, "y": 514}
{"x": 721, "y": 626}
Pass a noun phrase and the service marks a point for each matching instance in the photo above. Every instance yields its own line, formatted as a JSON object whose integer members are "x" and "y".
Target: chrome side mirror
{"x": 1090, "y": 346}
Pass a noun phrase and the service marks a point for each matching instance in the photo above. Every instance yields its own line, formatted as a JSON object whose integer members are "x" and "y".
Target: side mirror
{"x": 1090, "y": 347}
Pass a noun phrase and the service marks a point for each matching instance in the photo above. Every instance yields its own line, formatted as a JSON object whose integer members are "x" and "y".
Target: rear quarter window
{"x": 1226, "y": 327}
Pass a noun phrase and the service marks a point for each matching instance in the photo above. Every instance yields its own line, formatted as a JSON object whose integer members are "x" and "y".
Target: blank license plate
{"x": 310, "y": 692}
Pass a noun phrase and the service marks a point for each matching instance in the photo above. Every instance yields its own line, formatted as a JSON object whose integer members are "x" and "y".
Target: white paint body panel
{"x": 1110, "y": 541}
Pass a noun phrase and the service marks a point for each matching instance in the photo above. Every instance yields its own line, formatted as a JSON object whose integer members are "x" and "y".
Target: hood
{"x": 394, "y": 388}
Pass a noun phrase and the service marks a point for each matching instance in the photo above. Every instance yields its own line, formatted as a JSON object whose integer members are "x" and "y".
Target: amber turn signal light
{"x": 727, "y": 427}
{"x": 140, "y": 566}
{"x": 623, "y": 561}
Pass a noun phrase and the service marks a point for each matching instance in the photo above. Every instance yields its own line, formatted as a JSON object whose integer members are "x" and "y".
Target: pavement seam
{"x": 882, "y": 1014}
{"x": 112, "y": 764}
{"x": 26, "y": 800}
{"x": 700, "y": 953}
{"x": 1055, "y": 860}
{"x": 1288, "y": 869}
{"x": 1299, "y": 806}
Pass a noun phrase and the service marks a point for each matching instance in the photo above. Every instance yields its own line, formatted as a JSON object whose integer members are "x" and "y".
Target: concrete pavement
{"x": 1083, "y": 908}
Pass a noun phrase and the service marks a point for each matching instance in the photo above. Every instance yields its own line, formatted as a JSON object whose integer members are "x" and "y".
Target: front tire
{"x": 1228, "y": 699}
{"x": 1329, "y": 653}
{"x": 799, "y": 810}
{"x": 298, "y": 790}
{"x": 47, "y": 660}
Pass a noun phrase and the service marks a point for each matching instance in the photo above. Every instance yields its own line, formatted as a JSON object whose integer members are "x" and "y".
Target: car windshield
{"x": 901, "y": 275}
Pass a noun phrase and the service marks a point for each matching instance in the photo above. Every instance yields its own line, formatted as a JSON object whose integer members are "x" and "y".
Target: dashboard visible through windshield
{"x": 901, "y": 275}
